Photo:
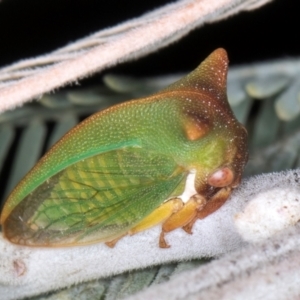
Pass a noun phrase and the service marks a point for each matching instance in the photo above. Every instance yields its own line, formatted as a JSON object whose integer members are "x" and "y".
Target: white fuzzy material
{"x": 26, "y": 271}
{"x": 268, "y": 213}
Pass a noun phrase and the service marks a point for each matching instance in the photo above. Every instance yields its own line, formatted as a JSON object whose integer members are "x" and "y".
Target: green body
{"x": 116, "y": 167}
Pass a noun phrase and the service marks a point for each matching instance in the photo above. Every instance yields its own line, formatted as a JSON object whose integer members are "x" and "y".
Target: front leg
{"x": 182, "y": 217}
{"x": 213, "y": 204}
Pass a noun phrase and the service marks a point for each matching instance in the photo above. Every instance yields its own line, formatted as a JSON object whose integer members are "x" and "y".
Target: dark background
{"x": 33, "y": 27}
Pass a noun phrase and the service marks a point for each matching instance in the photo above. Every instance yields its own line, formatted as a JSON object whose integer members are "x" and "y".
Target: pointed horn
{"x": 209, "y": 78}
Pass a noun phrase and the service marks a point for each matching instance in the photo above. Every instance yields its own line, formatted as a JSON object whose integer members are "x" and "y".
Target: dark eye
{"x": 221, "y": 178}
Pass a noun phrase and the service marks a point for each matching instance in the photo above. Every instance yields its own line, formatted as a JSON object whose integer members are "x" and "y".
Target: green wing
{"x": 97, "y": 199}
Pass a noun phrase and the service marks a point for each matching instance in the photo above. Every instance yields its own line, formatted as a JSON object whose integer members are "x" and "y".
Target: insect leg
{"x": 182, "y": 217}
{"x": 112, "y": 243}
{"x": 211, "y": 206}
{"x": 159, "y": 215}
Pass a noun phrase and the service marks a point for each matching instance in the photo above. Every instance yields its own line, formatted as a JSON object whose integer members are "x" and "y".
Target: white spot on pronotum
{"x": 269, "y": 213}
{"x": 189, "y": 189}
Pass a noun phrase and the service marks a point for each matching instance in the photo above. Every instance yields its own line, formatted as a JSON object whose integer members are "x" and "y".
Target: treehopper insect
{"x": 171, "y": 158}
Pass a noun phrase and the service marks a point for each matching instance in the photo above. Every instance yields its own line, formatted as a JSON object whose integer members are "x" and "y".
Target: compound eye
{"x": 221, "y": 178}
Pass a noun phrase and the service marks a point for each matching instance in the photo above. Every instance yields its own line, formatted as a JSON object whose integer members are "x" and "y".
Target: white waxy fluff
{"x": 268, "y": 213}
{"x": 26, "y": 271}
